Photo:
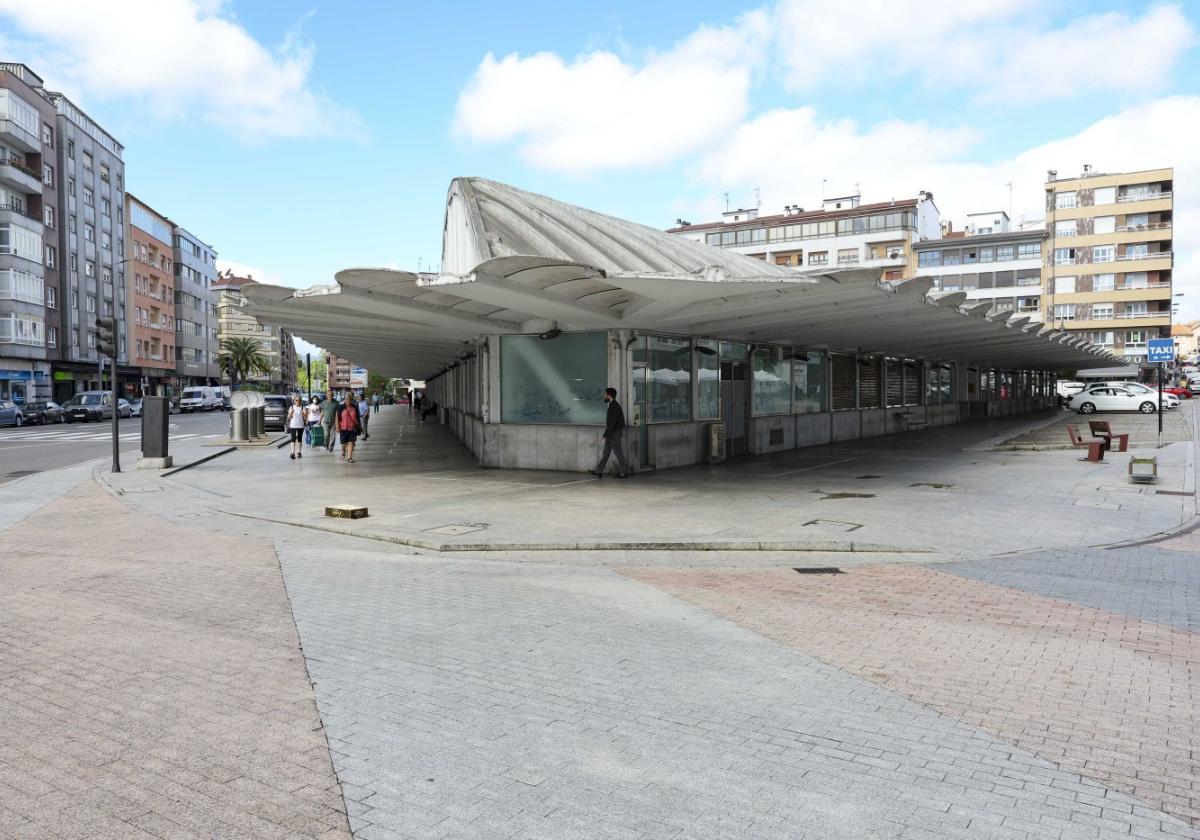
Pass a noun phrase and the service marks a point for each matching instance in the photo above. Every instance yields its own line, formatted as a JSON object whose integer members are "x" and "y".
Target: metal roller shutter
{"x": 845, "y": 382}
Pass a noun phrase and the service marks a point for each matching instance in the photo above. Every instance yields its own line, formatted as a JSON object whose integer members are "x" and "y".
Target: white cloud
{"x": 599, "y": 111}
{"x": 999, "y": 50}
{"x": 257, "y": 274}
{"x": 786, "y": 154}
{"x": 184, "y": 59}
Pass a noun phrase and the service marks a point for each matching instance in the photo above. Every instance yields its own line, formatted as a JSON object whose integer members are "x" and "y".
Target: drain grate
{"x": 818, "y": 570}
{"x": 775, "y": 437}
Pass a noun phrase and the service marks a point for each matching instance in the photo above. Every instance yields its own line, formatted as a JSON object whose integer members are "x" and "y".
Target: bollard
{"x": 260, "y": 421}
{"x": 237, "y": 425}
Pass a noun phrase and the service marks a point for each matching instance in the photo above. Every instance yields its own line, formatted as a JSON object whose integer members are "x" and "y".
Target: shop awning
{"x": 516, "y": 262}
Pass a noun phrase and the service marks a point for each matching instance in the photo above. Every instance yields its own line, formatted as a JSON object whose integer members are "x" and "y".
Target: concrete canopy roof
{"x": 516, "y": 262}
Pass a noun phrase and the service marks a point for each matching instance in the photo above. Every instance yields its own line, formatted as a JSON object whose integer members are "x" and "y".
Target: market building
{"x": 541, "y": 305}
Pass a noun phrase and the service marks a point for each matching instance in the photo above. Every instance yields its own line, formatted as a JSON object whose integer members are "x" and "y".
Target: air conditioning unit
{"x": 716, "y": 443}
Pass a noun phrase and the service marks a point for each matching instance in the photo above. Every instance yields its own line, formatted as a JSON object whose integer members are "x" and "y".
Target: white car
{"x": 1168, "y": 400}
{"x": 1111, "y": 398}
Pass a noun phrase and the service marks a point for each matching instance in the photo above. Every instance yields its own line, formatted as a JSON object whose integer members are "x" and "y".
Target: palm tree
{"x": 241, "y": 357}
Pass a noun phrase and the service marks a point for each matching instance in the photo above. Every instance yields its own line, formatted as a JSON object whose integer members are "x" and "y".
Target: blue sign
{"x": 1161, "y": 350}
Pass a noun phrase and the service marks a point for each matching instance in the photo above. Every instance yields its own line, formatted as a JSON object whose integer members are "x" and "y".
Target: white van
{"x": 200, "y": 398}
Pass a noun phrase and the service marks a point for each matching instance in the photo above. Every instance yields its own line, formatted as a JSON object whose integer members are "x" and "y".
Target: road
{"x": 33, "y": 449}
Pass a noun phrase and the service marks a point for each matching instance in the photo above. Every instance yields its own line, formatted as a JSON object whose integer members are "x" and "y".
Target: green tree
{"x": 241, "y": 357}
{"x": 377, "y": 383}
{"x": 318, "y": 375}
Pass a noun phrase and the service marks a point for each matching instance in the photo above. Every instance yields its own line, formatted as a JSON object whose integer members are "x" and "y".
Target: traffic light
{"x": 106, "y": 337}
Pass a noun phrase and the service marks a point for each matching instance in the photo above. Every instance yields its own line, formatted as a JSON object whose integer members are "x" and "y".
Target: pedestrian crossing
{"x": 75, "y": 434}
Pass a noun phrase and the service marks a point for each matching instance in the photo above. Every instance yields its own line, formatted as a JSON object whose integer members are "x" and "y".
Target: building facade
{"x": 337, "y": 370}
{"x": 989, "y": 262}
{"x": 29, "y": 255}
{"x": 151, "y": 297}
{"x": 196, "y": 325}
{"x": 843, "y": 233}
{"x": 1108, "y": 263}
{"x": 91, "y": 249}
{"x": 275, "y": 343}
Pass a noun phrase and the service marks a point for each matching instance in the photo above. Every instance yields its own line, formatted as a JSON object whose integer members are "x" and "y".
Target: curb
{"x": 630, "y": 545}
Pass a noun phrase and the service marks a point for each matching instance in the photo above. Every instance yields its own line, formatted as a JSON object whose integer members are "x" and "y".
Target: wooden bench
{"x": 1100, "y": 429}
{"x": 1095, "y": 448}
{"x": 910, "y": 425}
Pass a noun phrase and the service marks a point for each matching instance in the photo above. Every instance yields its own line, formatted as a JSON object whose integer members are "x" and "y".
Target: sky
{"x": 301, "y": 138}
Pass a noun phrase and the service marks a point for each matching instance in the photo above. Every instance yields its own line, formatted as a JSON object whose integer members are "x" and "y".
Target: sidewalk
{"x": 920, "y": 492}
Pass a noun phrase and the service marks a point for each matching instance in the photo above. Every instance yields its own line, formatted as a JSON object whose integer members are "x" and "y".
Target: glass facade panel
{"x": 670, "y": 377}
{"x": 772, "y": 387}
{"x": 561, "y": 380}
{"x": 808, "y": 384}
{"x": 708, "y": 375}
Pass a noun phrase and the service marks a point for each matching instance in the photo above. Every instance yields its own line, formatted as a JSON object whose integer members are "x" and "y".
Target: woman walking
{"x": 348, "y": 428}
{"x": 312, "y": 419}
{"x": 295, "y": 425}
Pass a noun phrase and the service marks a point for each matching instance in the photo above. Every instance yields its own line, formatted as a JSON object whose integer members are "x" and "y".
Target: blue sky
{"x": 300, "y": 139}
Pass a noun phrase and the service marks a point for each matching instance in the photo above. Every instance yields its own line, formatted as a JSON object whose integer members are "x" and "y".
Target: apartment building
{"x": 275, "y": 343}
{"x": 338, "y": 371}
{"x": 29, "y": 264}
{"x": 196, "y": 324}
{"x": 1108, "y": 268}
{"x": 151, "y": 297}
{"x": 91, "y": 244}
{"x": 844, "y": 233}
{"x": 988, "y": 261}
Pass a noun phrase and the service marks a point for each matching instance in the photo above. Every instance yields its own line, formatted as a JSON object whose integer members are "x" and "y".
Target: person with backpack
{"x": 349, "y": 426}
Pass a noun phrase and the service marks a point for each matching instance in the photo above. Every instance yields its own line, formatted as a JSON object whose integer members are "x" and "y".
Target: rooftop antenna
{"x": 757, "y": 199}
{"x": 1009, "y": 185}
{"x": 823, "y": 182}
{"x": 726, "y": 202}
{"x": 419, "y": 264}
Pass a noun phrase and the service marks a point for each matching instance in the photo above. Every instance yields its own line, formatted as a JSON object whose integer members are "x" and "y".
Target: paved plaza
{"x": 251, "y": 678}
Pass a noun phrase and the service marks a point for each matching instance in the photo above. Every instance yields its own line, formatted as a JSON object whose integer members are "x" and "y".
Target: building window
{"x": 47, "y": 135}
{"x": 1135, "y": 280}
{"x": 670, "y": 375}
{"x": 1104, "y": 195}
{"x": 51, "y": 336}
{"x": 1064, "y": 312}
{"x": 1103, "y": 338}
{"x": 89, "y": 268}
{"x": 1064, "y": 200}
{"x": 771, "y": 382}
{"x": 106, "y": 240}
{"x": 1005, "y": 253}
{"x": 708, "y": 380}
{"x": 1064, "y": 256}
{"x": 105, "y": 206}
{"x": 91, "y": 340}
{"x": 951, "y": 257}
{"x": 1104, "y": 282}
{"x": 818, "y": 258}
{"x": 1102, "y": 311}
{"x": 987, "y": 255}
{"x": 1103, "y": 253}
{"x": 808, "y": 383}
{"x": 48, "y": 216}
{"x": 1067, "y": 228}
{"x": 87, "y": 160}
{"x": 47, "y": 175}
{"x": 103, "y": 173}
{"x": 1064, "y": 285}
{"x": 51, "y": 256}
{"x": 91, "y": 303}
{"x": 89, "y": 232}
{"x": 925, "y": 259}
{"x": 1029, "y": 251}
{"x": 51, "y": 297}
{"x": 88, "y": 197}
{"x": 847, "y": 256}
{"x": 1104, "y": 224}
{"x": 559, "y": 380}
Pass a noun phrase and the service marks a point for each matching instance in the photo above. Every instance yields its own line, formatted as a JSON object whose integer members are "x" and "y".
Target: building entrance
{"x": 735, "y": 396}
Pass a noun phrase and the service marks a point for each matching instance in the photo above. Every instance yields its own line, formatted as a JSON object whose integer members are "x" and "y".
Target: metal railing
{"x": 1149, "y": 226}
{"x": 1148, "y": 255}
{"x": 1121, "y": 199}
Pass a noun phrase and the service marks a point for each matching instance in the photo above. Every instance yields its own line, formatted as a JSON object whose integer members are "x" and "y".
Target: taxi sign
{"x": 1160, "y": 350}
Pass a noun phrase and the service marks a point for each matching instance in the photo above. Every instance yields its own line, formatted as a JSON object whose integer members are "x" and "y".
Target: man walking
{"x": 329, "y": 410}
{"x": 614, "y": 433}
{"x": 364, "y": 415}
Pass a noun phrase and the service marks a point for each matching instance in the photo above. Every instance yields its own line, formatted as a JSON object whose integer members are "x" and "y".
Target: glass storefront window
{"x": 938, "y": 388}
{"x": 708, "y": 375}
{"x": 670, "y": 376}
{"x": 808, "y": 384}
{"x": 559, "y": 380}
{"x": 772, "y": 386}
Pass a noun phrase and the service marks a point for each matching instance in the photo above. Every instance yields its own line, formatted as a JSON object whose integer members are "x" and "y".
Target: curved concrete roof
{"x": 518, "y": 262}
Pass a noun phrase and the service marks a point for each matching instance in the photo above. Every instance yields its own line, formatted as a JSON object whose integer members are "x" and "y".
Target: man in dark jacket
{"x": 614, "y": 434}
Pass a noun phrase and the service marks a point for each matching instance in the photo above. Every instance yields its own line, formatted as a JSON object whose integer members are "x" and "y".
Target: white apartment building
{"x": 843, "y": 233}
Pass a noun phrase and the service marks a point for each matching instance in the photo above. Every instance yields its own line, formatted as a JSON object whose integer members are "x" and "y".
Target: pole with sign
{"x": 106, "y": 345}
{"x": 1160, "y": 350}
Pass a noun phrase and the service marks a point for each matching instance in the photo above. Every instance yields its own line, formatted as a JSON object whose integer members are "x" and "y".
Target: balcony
{"x": 1142, "y": 196}
{"x": 15, "y": 174}
{"x": 1150, "y": 226}
{"x": 1148, "y": 255}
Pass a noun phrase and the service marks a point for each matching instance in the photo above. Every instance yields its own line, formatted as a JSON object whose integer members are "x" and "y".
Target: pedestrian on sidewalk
{"x": 295, "y": 425}
{"x": 375, "y": 404}
{"x": 349, "y": 426}
{"x": 329, "y": 412}
{"x": 364, "y": 416}
{"x": 614, "y": 434}
{"x": 312, "y": 419}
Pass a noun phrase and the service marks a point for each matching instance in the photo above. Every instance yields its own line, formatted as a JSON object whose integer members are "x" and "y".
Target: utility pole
{"x": 308, "y": 368}
{"x": 106, "y": 345}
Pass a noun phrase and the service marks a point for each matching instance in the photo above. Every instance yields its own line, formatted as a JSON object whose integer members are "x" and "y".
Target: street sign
{"x": 1161, "y": 350}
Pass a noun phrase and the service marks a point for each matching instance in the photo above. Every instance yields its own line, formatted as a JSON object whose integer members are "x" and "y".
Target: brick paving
{"x": 151, "y": 684}
{"x": 1150, "y": 582}
{"x": 467, "y": 699}
{"x": 1109, "y": 696}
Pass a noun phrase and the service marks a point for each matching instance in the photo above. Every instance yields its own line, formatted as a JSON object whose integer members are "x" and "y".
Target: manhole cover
{"x": 455, "y": 530}
{"x": 832, "y": 523}
{"x": 818, "y": 570}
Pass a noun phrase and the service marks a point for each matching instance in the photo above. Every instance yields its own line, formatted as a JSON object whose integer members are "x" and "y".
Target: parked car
{"x": 124, "y": 407}
{"x": 88, "y": 405}
{"x": 276, "y": 411}
{"x": 11, "y": 414}
{"x": 1106, "y": 398}
{"x": 1065, "y": 388}
{"x": 135, "y": 407}
{"x": 200, "y": 398}
{"x": 1182, "y": 393}
{"x": 44, "y": 412}
{"x": 1169, "y": 400}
